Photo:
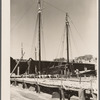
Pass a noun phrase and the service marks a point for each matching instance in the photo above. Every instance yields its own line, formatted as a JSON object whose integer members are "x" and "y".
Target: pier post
{"x": 24, "y": 85}
{"x": 81, "y": 94}
{"x": 61, "y": 92}
{"x": 69, "y": 95}
{"x": 37, "y": 88}
{"x": 15, "y": 82}
{"x": 80, "y": 79}
{"x": 94, "y": 97}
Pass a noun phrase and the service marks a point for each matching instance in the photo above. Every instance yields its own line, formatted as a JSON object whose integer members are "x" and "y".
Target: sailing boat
{"x": 67, "y": 85}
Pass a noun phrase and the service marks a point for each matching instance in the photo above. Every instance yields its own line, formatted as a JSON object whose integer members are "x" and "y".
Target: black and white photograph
{"x": 53, "y": 50}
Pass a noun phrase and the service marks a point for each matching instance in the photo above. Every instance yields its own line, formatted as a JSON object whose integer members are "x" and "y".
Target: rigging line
{"x": 62, "y": 46}
{"x": 75, "y": 45}
{"x": 73, "y": 40}
{"x": 34, "y": 36}
{"x": 62, "y": 51}
{"x": 63, "y": 41}
{"x": 26, "y": 11}
{"x": 58, "y": 52}
{"x": 43, "y": 35}
{"x": 71, "y": 55}
{"x": 43, "y": 44}
{"x": 62, "y": 36}
{"x": 78, "y": 33}
{"x": 75, "y": 27}
{"x": 21, "y": 7}
{"x": 59, "y": 46}
{"x": 54, "y": 7}
{"x": 36, "y": 41}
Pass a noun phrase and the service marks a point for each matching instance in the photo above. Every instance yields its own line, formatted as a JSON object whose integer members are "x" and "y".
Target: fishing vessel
{"x": 65, "y": 78}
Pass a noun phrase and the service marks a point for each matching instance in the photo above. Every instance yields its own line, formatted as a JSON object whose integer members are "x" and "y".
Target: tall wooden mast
{"x": 39, "y": 32}
{"x": 67, "y": 36}
{"x": 67, "y": 72}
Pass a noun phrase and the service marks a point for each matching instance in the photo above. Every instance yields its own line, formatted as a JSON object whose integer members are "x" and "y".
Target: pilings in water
{"x": 61, "y": 92}
{"x": 24, "y": 85}
{"x": 37, "y": 88}
{"x": 82, "y": 94}
{"x": 14, "y": 82}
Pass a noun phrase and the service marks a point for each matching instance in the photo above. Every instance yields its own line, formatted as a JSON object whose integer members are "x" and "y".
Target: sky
{"x": 83, "y": 30}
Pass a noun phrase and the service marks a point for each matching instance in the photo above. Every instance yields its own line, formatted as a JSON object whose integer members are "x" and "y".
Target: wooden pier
{"x": 65, "y": 88}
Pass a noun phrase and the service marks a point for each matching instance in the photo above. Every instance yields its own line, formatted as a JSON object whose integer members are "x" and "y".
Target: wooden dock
{"x": 66, "y": 88}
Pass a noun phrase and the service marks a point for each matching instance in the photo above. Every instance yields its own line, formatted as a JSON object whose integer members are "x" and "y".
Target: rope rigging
{"x": 54, "y": 7}
{"x": 60, "y": 49}
{"x": 34, "y": 37}
{"x": 43, "y": 41}
{"x": 34, "y": 40}
{"x": 83, "y": 42}
{"x": 70, "y": 46}
{"x": 73, "y": 40}
{"x": 19, "y": 20}
{"x": 60, "y": 45}
{"x": 63, "y": 41}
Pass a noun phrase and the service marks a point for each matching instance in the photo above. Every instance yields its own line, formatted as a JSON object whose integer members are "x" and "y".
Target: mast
{"x": 22, "y": 50}
{"x": 18, "y": 69}
{"x": 67, "y": 36}
{"x": 39, "y": 32}
{"x": 35, "y": 54}
{"x": 67, "y": 72}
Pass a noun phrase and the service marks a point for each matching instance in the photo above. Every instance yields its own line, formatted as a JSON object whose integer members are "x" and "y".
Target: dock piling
{"x": 61, "y": 92}
{"x": 37, "y": 88}
{"x": 82, "y": 94}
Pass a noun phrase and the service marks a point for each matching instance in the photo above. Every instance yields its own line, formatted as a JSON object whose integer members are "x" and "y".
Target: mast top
{"x": 39, "y": 1}
{"x": 67, "y": 19}
{"x": 39, "y": 6}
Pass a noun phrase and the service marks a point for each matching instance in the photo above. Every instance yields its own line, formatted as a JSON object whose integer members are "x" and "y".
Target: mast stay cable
{"x": 84, "y": 43}
{"x": 33, "y": 45}
{"x": 43, "y": 41}
{"x": 71, "y": 35}
{"x": 26, "y": 11}
{"x": 70, "y": 46}
{"x": 55, "y": 7}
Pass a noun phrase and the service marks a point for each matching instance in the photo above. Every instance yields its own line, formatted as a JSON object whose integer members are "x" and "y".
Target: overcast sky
{"x": 83, "y": 34}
